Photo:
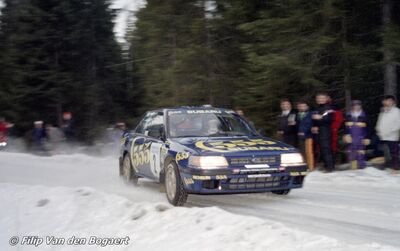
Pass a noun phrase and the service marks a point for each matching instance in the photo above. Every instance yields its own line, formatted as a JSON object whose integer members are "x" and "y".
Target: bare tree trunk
{"x": 390, "y": 74}
{"x": 346, "y": 74}
{"x": 348, "y": 100}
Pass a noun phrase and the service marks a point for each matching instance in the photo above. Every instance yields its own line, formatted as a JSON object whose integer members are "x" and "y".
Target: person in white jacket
{"x": 388, "y": 128}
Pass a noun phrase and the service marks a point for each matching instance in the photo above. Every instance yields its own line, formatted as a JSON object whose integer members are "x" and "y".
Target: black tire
{"x": 281, "y": 192}
{"x": 127, "y": 172}
{"x": 174, "y": 188}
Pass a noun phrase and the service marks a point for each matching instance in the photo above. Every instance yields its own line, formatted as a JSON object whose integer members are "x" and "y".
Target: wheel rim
{"x": 127, "y": 168}
{"x": 170, "y": 182}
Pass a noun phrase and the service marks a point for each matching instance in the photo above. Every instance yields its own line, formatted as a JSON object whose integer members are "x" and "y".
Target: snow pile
{"x": 367, "y": 177}
{"x": 84, "y": 212}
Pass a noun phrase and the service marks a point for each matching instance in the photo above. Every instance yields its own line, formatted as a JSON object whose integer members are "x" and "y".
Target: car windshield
{"x": 201, "y": 123}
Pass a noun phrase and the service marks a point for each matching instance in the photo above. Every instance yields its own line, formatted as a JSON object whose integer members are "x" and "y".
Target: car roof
{"x": 188, "y": 108}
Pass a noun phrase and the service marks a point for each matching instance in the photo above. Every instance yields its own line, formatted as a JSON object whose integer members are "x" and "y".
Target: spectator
{"x": 240, "y": 112}
{"x": 4, "y": 126}
{"x": 119, "y": 131}
{"x": 356, "y": 135}
{"x": 388, "y": 128}
{"x": 337, "y": 122}
{"x": 322, "y": 121}
{"x": 287, "y": 127}
{"x": 54, "y": 136}
{"x": 39, "y": 136}
{"x": 305, "y": 141}
{"x": 68, "y": 127}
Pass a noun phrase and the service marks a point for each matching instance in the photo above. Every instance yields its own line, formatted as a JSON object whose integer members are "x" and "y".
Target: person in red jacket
{"x": 4, "y": 126}
{"x": 337, "y": 122}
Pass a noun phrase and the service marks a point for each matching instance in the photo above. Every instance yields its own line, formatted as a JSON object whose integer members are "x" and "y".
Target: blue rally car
{"x": 206, "y": 150}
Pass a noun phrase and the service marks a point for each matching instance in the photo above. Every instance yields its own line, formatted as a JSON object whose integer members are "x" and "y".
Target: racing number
{"x": 155, "y": 163}
{"x": 140, "y": 153}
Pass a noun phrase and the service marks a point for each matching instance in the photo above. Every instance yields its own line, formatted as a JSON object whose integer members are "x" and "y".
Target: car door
{"x": 149, "y": 149}
{"x": 155, "y": 135}
{"x": 140, "y": 151}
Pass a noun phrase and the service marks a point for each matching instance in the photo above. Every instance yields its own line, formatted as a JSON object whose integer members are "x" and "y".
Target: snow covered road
{"x": 352, "y": 210}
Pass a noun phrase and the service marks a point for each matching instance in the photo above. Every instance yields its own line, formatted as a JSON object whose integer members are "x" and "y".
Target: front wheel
{"x": 281, "y": 192}
{"x": 127, "y": 172}
{"x": 176, "y": 193}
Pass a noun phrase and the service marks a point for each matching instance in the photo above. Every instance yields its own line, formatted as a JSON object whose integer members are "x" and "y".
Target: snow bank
{"x": 366, "y": 177}
{"x": 84, "y": 212}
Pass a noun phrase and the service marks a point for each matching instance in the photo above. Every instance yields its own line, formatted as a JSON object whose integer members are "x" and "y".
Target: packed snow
{"x": 78, "y": 196}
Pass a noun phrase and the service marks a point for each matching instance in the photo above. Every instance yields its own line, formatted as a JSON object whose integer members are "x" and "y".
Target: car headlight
{"x": 208, "y": 162}
{"x": 291, "y": 159}
{"x": 3, "y": 143}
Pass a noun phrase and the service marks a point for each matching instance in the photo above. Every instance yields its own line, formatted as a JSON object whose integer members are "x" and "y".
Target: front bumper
{"x": 230, "y": 181}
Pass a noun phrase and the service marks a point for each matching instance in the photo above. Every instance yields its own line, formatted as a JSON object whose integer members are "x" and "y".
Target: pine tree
{"x": 185, "y": 53}
{"x": 61, "y": 55}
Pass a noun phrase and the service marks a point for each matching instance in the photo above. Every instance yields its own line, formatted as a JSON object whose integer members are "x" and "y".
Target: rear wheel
{"x": 127, "y": 171}
{"x": 281, "y": 192}
{"x": 176, "y": 193}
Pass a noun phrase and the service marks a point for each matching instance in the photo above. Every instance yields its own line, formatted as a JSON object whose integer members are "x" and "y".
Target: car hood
{"x": 234, "y": 146}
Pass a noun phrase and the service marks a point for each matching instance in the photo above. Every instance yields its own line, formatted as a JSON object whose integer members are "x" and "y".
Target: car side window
{"x": 156, "y": 126}
{"x": 151, "y": 125}
{"x": 145, "y": 123}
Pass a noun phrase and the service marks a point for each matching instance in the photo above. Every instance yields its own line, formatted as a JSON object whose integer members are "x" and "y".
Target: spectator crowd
{"x": 316, "y": 131}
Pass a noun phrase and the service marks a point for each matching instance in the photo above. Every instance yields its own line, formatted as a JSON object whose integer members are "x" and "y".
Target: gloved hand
{"x": 366, "y": 142}
{"x": 347, "y": 139}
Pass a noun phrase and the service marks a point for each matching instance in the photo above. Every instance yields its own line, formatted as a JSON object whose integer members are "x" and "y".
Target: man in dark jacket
{"x": 322, "y": 120}
{"x": 356, "y": 136}
{"x": 68, "y": 127}
{"x": 287, "y": 127}
{"x": 305, "y": 141}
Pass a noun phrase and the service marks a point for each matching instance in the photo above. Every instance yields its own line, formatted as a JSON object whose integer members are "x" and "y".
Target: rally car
{"x": 206, "y": 150}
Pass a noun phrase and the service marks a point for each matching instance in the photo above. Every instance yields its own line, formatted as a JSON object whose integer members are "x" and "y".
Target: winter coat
{"x": 357, "y": 128}
{"x": 304, "y": 122}
{"x": 289, "y": 131}
{"x": 324, "y": 124}
{"x": 39, "y": 135}
{"x": 3, "y": 131}
{"x": 337, "y": 122}
{"x": 388, "y": 125}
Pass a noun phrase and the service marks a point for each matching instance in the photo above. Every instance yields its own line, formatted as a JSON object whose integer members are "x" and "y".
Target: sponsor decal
{"x": 258, "y": 175}
{"x": 164, "y": 150}
{"x": 258, "y": 170}
{"x": 188, "y": 181}
{"x": 198, "y": 177}
{"x": 298, "y": 173}
{"x": 240, "y": 145}
{"x": 257, "y": 166}
{"x": 202, "y": 111}
{"x": 182, "y": 156}
{"x": 174, "y": 112}
{"x": 123, "y": 140}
